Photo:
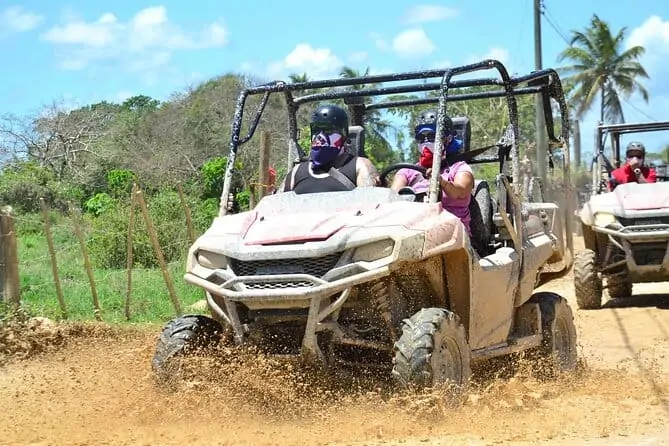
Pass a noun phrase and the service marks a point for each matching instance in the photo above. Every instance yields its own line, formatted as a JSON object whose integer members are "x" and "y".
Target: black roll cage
{"x": 600, "y": 164}
{"x": 544, "y": 82}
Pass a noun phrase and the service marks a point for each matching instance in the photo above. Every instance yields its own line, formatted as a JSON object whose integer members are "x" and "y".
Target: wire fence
{"x": 68, "y": 267}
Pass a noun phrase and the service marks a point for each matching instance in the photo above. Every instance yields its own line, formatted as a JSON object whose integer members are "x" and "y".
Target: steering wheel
{"x": 383, "y": 181}
{"x": 397, "y": 166}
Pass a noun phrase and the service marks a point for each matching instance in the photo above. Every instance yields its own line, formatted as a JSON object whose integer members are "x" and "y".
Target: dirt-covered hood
{"x": 270, "y": 227}
{"x": 630, "y": 199}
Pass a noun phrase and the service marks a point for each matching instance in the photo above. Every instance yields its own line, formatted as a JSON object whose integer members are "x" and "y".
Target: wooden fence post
{"x": 129, "y": 261}
{"x": 11, "y": 283}
{"x": 159, "y": 252}
{"x": 54, "y": 261}
{"x": 97, "y": 312}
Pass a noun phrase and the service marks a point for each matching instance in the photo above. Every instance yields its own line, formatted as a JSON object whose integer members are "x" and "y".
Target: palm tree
{"x": 380, "y": 149}
{"x": 295, "y": 78}
{"x": 602, "y": 68}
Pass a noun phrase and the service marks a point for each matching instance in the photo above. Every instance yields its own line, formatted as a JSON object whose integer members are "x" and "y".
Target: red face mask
{"x": 426, "y": 155}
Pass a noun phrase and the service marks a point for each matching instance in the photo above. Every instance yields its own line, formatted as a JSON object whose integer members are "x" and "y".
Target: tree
{"x": 378, "y": 129}
{"x": 602, "y": 68}
{"x": 299, "y": 77}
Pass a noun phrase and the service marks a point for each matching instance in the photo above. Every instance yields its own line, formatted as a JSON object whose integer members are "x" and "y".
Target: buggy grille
{"x": 644, "y": 221}
{"x": 314, "y": 266}
{"x": 649, "y": 253}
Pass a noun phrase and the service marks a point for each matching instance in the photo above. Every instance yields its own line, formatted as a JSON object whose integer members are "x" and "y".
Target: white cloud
{"x": 15, "y": 19}
{"x": 357, "y": 57}
{"x": 497, "y": 53}
{"x": 413, "y": 43}
{"x": 379, "y": 41}
{"x": 145, "y": 42}
{"x": 652, "y": 34}
{"x": 429, "y": 13}
{"x": 318, "y": 63}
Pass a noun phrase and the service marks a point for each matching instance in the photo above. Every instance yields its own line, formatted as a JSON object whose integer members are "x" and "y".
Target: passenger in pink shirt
{"x": 456, "y": 180}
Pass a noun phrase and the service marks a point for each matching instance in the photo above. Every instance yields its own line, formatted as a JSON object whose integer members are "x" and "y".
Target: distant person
{"x": 634, "y": 170}
{"x": 330, "y": 167}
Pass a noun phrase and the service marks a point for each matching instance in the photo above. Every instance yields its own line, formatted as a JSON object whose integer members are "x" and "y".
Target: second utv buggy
{"x": 626, "y": 230}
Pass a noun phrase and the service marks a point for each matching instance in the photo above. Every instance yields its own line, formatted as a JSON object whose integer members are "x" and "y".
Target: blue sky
{"x": 90, "y": 51}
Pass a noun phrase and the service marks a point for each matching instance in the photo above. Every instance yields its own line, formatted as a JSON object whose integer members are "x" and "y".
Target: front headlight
{"x": 374, "y": 251}
{"x": 211, "y": 260}
{"x": 604, "y": 219}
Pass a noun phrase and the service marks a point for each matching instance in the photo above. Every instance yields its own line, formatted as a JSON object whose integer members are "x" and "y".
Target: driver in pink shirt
{"x": 456, "y": 180}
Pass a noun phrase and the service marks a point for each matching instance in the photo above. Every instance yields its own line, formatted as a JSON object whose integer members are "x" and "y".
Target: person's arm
{"x": 289, "y": 177}
{"x": 461, "y": 186}
{"x": 399, "y": 181}
{"x": 651, "y": 178}
{"x": 367, "y": 175}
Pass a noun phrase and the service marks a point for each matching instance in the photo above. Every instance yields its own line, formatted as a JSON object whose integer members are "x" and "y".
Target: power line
{"x": 638, "y": 110}
{"x": 552, "y": 22}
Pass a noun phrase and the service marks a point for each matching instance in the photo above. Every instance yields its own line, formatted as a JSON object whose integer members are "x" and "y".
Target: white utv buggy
{"x": 626, "y": 230}
{"x": 374, "y": 276}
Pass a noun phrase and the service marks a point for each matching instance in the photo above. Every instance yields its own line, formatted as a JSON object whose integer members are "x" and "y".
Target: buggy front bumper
{"x": 242, "y": 288}
{"x": 637, "y": 233}
{"x": 646, "y": 249}
{"x": 315, "y": 292}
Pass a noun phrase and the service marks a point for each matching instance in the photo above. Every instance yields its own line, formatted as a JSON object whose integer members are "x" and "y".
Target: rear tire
{"x": 183, "y": 336}
{"x": 558, "y": 350}
{"x": 432, "y": 350}
{"x": 587, "y": 283}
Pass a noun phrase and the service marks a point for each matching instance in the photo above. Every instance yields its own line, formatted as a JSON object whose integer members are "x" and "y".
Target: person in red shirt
{"x": 634, "y": 170}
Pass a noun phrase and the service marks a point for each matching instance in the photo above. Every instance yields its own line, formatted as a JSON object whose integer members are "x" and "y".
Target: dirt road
{"x": 98, "y": 390}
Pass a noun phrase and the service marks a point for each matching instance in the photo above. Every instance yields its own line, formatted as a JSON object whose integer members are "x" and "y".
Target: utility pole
{"x": 542, "y": 152}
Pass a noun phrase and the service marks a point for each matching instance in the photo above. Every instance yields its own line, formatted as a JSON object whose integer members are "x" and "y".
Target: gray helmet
{"x": 636, "y": 146}
{"x": 428, "y": 119}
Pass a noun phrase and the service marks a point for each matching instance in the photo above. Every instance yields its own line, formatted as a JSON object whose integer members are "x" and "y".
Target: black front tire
{"x": 432, "y": 350}
{"x": 183, "y": 336}
{"x": 587, "y": 282}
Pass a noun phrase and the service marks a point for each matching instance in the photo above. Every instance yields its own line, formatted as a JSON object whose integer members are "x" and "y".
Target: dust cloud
{"x": 94, "y": 386}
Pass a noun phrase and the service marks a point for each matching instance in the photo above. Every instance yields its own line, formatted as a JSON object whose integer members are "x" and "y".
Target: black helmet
{"x": 636, "y": 146}
{"x": 427, "y": 120}
{"x": 329, "y": 117}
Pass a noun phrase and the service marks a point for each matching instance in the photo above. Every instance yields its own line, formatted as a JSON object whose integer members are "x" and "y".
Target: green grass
{"x": 150, "y": 300}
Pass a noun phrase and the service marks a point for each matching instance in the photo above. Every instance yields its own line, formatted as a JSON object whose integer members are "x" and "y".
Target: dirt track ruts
{"x": 98, "y": 390}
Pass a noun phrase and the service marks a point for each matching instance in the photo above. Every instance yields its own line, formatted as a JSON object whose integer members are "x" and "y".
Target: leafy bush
{"x": 108, "y": 243}
{"x": 213, "y": 175}
{"x": 99, "y": 203}
{"x": 24, "y": 183}
{"x": 120, "y": 182}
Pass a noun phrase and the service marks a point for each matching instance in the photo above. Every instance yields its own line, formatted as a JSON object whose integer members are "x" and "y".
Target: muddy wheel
{"x": 618, "y": 287}
{"x": 180, "y": 337}
{"x": 558, "y": 350}
{"x": 432, "y": 350}
{"x": 587, "y": 283}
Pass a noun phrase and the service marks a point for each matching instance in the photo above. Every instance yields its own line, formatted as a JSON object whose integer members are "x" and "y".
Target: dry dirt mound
{"x": 99, "y": 390}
